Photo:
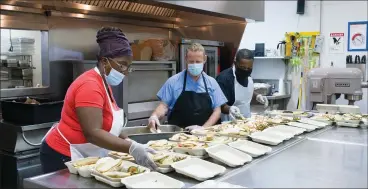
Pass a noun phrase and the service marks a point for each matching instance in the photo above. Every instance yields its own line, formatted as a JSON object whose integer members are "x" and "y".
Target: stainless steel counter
{"x": 318, "y": 159}
{"x": 278, "y": 97}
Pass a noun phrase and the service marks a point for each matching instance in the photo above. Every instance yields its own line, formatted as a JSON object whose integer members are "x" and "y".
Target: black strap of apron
{"x": 185, "y": 82}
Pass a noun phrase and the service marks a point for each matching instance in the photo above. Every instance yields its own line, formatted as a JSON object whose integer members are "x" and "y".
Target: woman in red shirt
{"x": 90, "y": 119}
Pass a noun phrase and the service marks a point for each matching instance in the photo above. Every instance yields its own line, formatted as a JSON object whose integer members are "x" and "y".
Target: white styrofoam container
{"x": 309, "y": 128}
{"x": 114, "y": 184}
{"x": 266, "y": 138}
{"x": 321, "y": 119}
{"x": 216, "y": 184}
{"x": 228, "y": 155}
{"x": 346, "y": 124}
{"x": 330, "y": 108}
{"x": 86, "y": 171}
{"x": 286, "y": 132}
{"x": 164, "y": 169}
{"x": 285, "y": 136}
{"x": 198, "y": 169}
{"x": 251, "y": 148}
{"x": 319, "y": 124}
{"x": 71, "y": 168}
{"x": 193, "y": 151}
{"x": 349, "y": 109}
{"x": 151, "y": 180}
{"x": 289, "y": 129}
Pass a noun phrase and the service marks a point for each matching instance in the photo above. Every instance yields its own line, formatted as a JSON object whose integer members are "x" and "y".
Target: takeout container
{"x": 289, "y": 129}
{"x": 319, "y": 124}
{"x": 84, "y": 171}
{"x": 347, "y": 124}
{"x": 251, "y": 148}
{"x": 266, "y": 138}
{"x": 308, "y": 127}
{"x": 198, "y": 169}
{"x": 191, "y": 151}
{"x": 151, "y": 180}
{"x": 228, "y": 155}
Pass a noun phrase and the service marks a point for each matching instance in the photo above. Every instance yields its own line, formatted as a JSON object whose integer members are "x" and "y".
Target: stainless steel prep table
{"x": 318, "y": 163}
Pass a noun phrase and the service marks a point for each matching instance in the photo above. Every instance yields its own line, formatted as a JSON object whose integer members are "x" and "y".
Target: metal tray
{"x": 145, "y": 138}
{"x": 139, "y": 130}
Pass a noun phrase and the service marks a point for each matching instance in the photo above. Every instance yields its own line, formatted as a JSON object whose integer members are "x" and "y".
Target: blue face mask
{"x": 195, "y": 69}
{"x": 114, "y": 78}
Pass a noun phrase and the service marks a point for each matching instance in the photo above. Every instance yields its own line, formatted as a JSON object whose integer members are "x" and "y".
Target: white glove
{"x": 263, "y": 100}
{"x": 193, "y": 127}
{"x": 153, "y": 122}
{"x": 140, "y": 154}
{"x": 234, "y": 112}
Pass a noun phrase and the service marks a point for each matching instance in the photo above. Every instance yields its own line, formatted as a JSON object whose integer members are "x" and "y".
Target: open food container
{"x": 111, "y": 171}
{"x": 191, "y": 148}
{"x": 162, "y": 145}
{"x": 198, "y": 169}
{"x": 83, "y": 167}
{"x": 251, "y": 148}
{"x": 151, "y": 180}
{"x": 164, "y": 160}
{"x": 121, "y": 155}
{"x": 228, "y": 155}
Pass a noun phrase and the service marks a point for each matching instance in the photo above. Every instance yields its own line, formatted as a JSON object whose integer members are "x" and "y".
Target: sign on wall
{"x": 336, "y": 43}
{"x": 357, "y": 36}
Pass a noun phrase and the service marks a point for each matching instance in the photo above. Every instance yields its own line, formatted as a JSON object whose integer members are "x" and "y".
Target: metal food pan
{"x": 145, "y": 138}
{"x": 139, "y": 130}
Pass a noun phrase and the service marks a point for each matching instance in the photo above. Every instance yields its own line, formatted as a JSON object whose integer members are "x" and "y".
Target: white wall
{"x": 36, "y": 58}
{"x": 334, "y": 18}
{"x": 281, "y": 17}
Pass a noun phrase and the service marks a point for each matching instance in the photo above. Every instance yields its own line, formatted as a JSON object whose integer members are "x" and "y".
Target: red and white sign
{"x": 336, "y": 43}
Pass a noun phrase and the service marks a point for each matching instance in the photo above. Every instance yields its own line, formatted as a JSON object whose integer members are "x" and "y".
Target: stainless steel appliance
{"x": 325, "y": 84}
{"x": 19, "y": 152}
{"x": 212, "y": 52}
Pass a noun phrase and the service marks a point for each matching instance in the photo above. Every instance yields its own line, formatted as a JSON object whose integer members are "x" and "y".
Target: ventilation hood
{"x": 214, "y": 23}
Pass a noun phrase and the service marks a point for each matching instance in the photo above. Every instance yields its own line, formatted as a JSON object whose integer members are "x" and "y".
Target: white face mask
{"x": 196, "y": 68}
{"x": 114, "y": 78}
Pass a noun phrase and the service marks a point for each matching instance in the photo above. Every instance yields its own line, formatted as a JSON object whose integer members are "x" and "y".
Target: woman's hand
{"x": 140, "y": 154}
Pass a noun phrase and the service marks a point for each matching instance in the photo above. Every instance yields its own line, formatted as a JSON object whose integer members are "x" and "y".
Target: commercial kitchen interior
{"x": 55, "y": 41}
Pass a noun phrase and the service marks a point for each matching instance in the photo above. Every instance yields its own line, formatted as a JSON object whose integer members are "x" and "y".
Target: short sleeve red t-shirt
{"x": 86, "y": 91}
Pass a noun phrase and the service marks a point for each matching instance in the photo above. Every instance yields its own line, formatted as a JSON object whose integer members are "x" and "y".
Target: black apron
{"x": 191, "y": 108}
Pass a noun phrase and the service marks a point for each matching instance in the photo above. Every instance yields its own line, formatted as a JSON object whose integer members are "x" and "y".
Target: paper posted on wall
{"x": 336, "y": 43}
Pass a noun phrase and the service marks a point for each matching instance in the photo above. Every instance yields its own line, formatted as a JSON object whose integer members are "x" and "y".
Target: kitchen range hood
{"x": 222, "y": 21}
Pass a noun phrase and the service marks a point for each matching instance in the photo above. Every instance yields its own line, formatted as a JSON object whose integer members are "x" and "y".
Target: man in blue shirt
{"x": 191, "y": 98}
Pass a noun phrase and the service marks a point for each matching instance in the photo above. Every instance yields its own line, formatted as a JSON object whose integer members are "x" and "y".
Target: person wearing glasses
{"x": 91, "y": 122}
{"x": 237, "y": 84}
{"x": 191, "y": 99}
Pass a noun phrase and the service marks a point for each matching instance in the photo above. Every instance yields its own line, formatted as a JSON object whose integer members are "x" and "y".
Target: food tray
{"x": 109, "y": 182}
{"x": 266, "y": 138}
{"x": 251, "y": 148}
{"x": 151, "y": 180}
{"x": 346, "y": 124}
{"x": 198, "y": 169}
{"x": 170, "y": 153}
{"x": 228, "y": 155}
{"x": 309, "y": 128}
{"x": 216, "y": 184}
{"x": 289, "y": 129}
{"x": 319, "y": 124}
{"x": 86, "y": 171}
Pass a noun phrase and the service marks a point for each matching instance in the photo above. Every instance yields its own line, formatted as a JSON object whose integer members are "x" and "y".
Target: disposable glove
{"x": 140, "y": 154}
{"x": 234, "y": 112}
{"x": 263, "y": 100}
{"x": 154, "y": 123}
{"x": 193, "y": 127}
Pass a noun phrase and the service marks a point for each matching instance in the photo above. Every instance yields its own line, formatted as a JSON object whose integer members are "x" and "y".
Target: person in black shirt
{"x": 237, "y": 85}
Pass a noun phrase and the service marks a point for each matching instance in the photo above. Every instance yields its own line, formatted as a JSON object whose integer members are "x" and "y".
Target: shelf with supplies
{"x": 283, "y": 58}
